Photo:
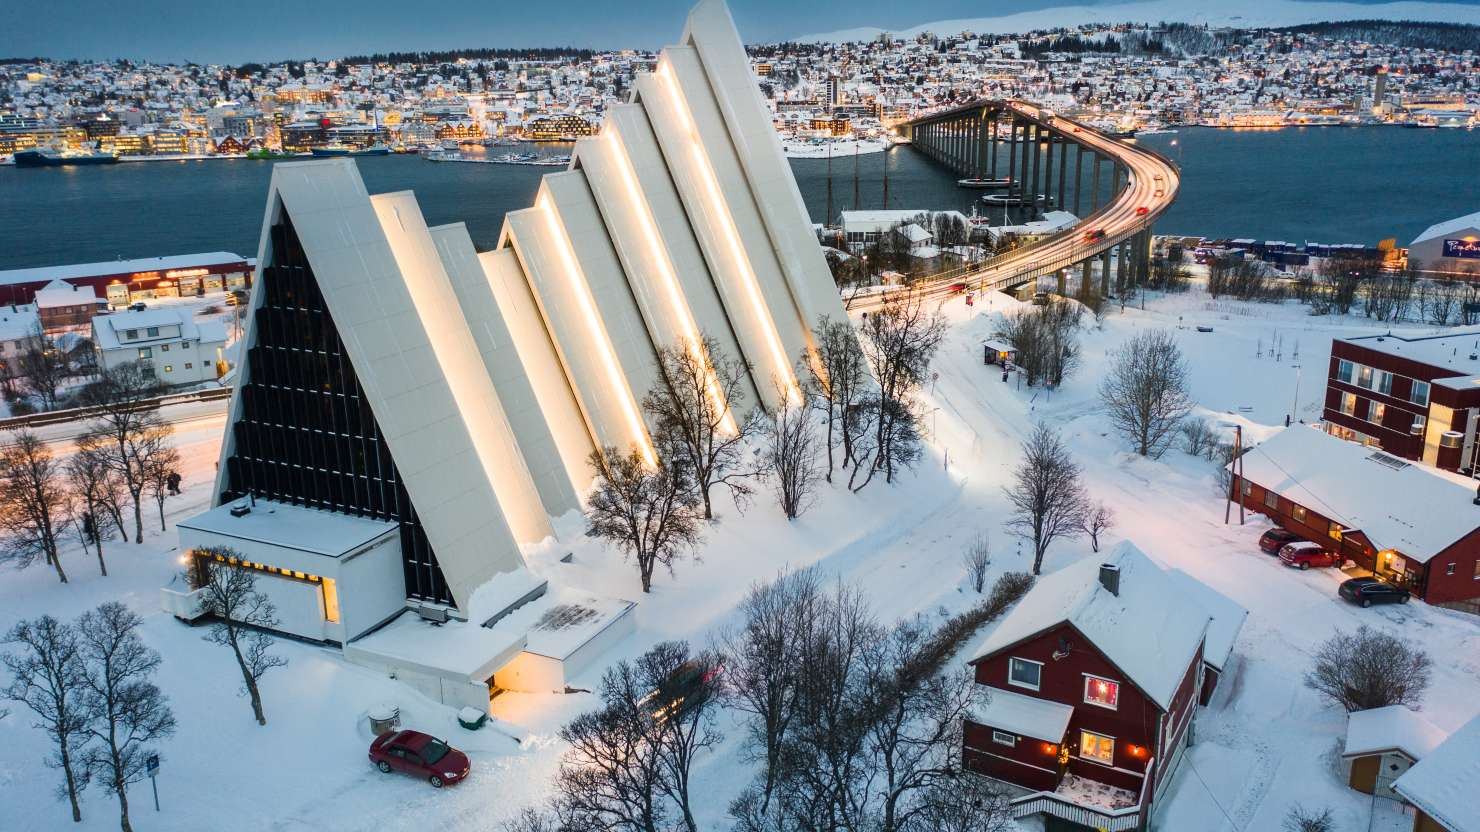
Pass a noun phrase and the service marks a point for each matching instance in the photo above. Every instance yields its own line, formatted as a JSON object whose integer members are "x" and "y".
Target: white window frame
{"x": 1096, "y": 760}
{"x": 1365, "y": 373}
{"x": 1298, "y": 512}
{"x": 1420, "y": 422}
{"x": 1011, "y": 663}
{"x": 1413, "y": 393}
{"x": 1089, "y": 677}
{"x": 1345, "y": 371}
{"x": 1004, "y": 738}
{"x": 1375, "y": 411}
{"x": 1384, "y": 382}
{"x": 1349, "y": 404}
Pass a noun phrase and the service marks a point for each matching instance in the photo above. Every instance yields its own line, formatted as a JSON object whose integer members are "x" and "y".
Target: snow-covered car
{"x": 420, "y": 755}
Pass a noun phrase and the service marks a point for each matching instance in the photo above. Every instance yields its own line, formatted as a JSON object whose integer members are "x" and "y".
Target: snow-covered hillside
{"x": 1258, "y": 13}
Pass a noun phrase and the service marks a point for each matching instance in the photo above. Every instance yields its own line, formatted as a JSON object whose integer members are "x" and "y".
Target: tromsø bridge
{"x": 1026, "y": 156}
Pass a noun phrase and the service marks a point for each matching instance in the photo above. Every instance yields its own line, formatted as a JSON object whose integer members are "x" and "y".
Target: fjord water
{"x": 1331, "y": 184}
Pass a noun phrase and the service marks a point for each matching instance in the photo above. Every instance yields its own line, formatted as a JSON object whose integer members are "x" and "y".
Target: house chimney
{"x": 1110, "y": 578}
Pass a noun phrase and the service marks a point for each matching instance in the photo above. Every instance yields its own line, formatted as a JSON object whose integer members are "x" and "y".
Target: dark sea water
{"x": 1319, "y": 184}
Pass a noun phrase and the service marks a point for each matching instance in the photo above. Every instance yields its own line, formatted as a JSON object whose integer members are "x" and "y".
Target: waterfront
{"x": 1331, "y": 184}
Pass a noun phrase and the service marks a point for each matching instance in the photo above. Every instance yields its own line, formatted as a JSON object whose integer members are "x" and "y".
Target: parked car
{"x": 138, "y": 306}
{"x": 420, "y": 755}
{"x": 1272, "y": 541}
{"x": 1369, "y": 591}
{"x": 686, "y": 687}
{"x": 1304, "y": 555}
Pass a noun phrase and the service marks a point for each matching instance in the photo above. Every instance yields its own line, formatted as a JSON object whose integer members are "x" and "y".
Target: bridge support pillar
{"x": 1122, "y": 267}
{"x": 1094, "y": 194}
{"x": 1048, "y": 178}
{"x": 1078, "y": 176}
{"x": 1063, "y": 282}
{"x": 992, "y": 141}
{"x": 1012, "y": 171}
{"x": 1105, "y": 273}
{"x": 1037, "y": 169}
{"x": 1086, "y": 279}
{"x": 1063, "y": 172}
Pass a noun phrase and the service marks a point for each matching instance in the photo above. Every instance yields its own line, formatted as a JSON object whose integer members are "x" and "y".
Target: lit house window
{"x": 1375, "y": 409}
{"x": 1002, "y": 738}
{"x": 169, "y": 368}
{"x": 1334, "y": 530}
{"x": 1349, "y": 404}
{"x": 1298, "y": 512}
{"x": 1102, "y": 692}
{"x": 1025, "y": 673}
{"x": 1364, "y": 378}
{"x": 1420, "y": 393}
{"x": 1097, "y": 747}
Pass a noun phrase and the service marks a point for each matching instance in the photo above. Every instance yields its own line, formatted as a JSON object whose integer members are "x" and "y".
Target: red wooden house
{"x": 1088, "y": 688}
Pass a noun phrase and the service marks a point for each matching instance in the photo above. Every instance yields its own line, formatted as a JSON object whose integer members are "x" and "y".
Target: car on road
{"x": 1272, "y": 541}
{"x": 1304, "y": 555}
{"x": 420, "y": 755}
{"x": 1094, "y": 235}
{"x": 1159, "y": 193}
{"x": 1368, "y": 591}
{"x": 1142, "y": 211}
{"x": 957, "y": 288}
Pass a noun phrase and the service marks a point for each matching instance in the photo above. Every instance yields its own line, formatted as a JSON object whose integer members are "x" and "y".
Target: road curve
{"x": 1149, "y": 171}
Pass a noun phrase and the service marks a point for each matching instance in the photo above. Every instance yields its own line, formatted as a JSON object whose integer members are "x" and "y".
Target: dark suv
{"x": 1272, "y": 541}
{"x": 1369, "y": 591}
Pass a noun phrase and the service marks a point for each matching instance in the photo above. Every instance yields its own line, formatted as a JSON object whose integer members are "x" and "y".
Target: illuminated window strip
{"x": 732, "y": 236}
{"x": 604, "y": 349}
{"x": 659, "y": 255}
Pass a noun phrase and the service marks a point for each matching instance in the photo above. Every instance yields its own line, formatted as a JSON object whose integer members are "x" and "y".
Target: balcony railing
{"x": 1110, "y": 820}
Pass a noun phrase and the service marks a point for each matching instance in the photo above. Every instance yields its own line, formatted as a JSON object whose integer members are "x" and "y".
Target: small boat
{"x": 979, "y": 183}
{"x": 264, "y": 153}
{"x": 350, "y": 150}
{"x": 48, "y": 159}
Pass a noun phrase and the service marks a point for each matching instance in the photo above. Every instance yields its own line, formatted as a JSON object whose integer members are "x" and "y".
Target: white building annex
{"x": 408, "y": 412}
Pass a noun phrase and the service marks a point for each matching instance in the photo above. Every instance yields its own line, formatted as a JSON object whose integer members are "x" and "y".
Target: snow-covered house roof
{"x": 1443, "y": 783}
{"x": 1448, "y": 227}
{"x": 1028, "y": 716}
{"x": 61, "y": 293}
{"x": 1151, "y": 630}
{"x": 1393, "y": 728}
{"x": 1411, "y": 508}
{"x": 1228, "y": 618}
{"x": 914, "y": 233}
{"x": 18, "y": 321}
{"x": 106, "y": 328}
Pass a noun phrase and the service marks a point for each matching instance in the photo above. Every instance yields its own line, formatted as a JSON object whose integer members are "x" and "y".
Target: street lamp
{"x": 1295, "y": 409}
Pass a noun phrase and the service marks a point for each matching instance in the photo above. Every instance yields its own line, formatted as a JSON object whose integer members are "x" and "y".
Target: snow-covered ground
{"x": 1265, "y": 744}
{"x": 1211, "y": 12}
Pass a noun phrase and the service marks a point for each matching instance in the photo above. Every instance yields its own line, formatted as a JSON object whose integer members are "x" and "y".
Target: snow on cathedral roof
{"x": 1151, "y": 630}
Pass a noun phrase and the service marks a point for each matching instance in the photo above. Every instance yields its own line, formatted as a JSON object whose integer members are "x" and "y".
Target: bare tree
{"x": 650, "y": 513}
{"x": 1099, "y": 519}
{"x": 1145, "y": 391}
{"x": 1369, "y": 669}
{"x": 43, "y": 368}
{"x": 790, "y": 458}
{"x": 763, "y": 660}
{"x": 968, "y": 803}
{"x": 1197, "y": 435}
{"x": 696, "y": 409}
{"x": 1047, "y": 497}
{"x": 34, "y": 503}
{"x": 1044, "y": 340}
{"x": 837, "y": 381}
{"x": 47, "y": 677}
{"x": 128, "y": 427}
{"x": 977, "y": 557}
{"x": 241, "y": 617}
{"x": 125, "y": 711}
{"x": 899, "y": 340}
{"x": 97, "y": 489}
{"x": 683, "y": 692}
{"x": 1301, "y": 819}
{"x": 160, "y": 463}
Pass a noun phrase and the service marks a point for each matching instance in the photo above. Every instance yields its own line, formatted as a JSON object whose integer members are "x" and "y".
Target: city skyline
{"x": 175, "y": 31}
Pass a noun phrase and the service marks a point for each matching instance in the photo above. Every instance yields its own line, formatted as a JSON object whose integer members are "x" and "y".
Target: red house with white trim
{"x": 1089, "y": 686}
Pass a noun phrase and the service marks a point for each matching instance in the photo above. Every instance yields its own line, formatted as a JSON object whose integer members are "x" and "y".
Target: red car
{"x": 1305, "y": 555}
{"x": 1272, "y": 541}
{"x": 1094, "y": 235}
{"x": 1142, "y": 211}
{"x": 421, "y": 755}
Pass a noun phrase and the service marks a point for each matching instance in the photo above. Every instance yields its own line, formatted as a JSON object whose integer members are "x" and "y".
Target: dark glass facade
{"x": 306, "y": 434}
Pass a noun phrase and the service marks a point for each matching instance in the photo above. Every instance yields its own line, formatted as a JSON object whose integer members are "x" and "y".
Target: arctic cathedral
{"x": 408, "y": 411}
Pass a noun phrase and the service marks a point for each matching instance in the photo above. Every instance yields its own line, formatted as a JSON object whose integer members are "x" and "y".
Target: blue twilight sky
{"x": 235, "y": 31}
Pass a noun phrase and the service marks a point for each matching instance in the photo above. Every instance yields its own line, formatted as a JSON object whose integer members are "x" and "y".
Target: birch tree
{"x": 34, "y": 504}
{"x": 1145, "y": 392}
{"x": 47, "y": 676}
{"x": 242, "y": 615}
{"x": 1048, "y": 500}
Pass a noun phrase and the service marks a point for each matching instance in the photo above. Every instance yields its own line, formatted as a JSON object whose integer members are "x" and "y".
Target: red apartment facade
{"x": 1071, "y": 691}
{"x": 1416, "y": 398}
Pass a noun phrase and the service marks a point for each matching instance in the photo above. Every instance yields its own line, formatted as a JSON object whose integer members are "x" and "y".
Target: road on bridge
{"x": 1120, "y": 219}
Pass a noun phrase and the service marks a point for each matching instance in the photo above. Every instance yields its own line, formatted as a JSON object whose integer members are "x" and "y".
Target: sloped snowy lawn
{"x": 1265, "y": 743}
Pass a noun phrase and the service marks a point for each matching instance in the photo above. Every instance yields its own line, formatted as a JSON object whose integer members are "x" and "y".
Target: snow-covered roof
{"x": 1443, "y": 783}
{"x": 106, "y": 328}
{"x": 1028, "y": 716}
{"x": 914, "y": 233}
{"x": 1411, "y": 508}
{"x": 1393, "y": 728}
{"x": 453, "y": 649}
{"x": 1451, "y": 351}
{"x": 1448, "y": 227}
{"x": 1151, "y": 630}
{"x": 327, "y": 533}
{"x": 62, "y": 293}
{"x": 18, "y": 321}
{"x": 1228, "y": 618}
{"x": 107, "y": 267}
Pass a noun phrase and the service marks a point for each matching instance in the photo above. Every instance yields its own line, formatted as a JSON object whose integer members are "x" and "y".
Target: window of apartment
{"x": 1097, "y": 747}
{"x": 130, "y": 334}
{"x": 164, "y": 347}
{"x": 1420, "y": 393}
{"x": 189, "y": 365}
{"x": 1025, "y": 673}
{"x": 1344, "y": 371}
{"x": 1349, "y": 404}
{"x": 1364, "y": 377}
{"x": 145, "y": 352}
{"x": 1334, "y": 530}
{"x": 1419, "y": 420}
{"x": 1375, "y": 409}
{"x": 1271, "y": 499}
{"x": 1477, "y": 570}
{"x": 184, "y": 345}
{"x": 152, "y": 331}
{"x": 1002, "y": 738}
{"x": 1298, "y": 512}
{"x": 1245, "y": 488}
{"x": 1449, "y": 570}
{"x": 1385, "y": 382}
{"x": 1101, "y": 691}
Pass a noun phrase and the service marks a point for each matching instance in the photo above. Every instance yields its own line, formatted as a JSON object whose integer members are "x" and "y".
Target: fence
{"x": 56, "y": 417}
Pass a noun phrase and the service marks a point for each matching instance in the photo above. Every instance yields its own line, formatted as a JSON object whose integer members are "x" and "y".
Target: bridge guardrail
{"x": 56, "y": 417}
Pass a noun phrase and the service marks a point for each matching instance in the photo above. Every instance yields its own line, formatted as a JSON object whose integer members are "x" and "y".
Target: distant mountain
{"x": 1250, "y": 14}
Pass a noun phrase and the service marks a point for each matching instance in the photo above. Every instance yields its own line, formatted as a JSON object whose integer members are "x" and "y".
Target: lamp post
{"x": 1295, "y": 408}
